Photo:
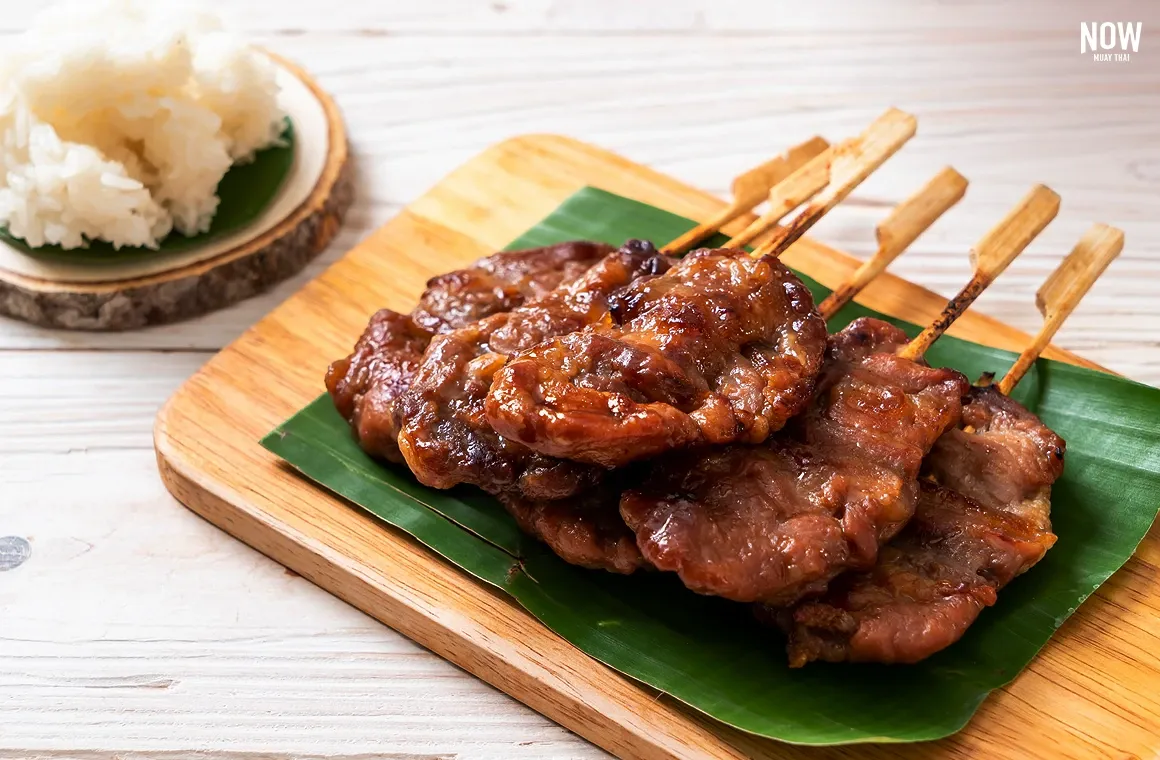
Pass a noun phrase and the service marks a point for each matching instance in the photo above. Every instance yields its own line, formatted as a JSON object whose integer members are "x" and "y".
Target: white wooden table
{"x": 136, "y": 627}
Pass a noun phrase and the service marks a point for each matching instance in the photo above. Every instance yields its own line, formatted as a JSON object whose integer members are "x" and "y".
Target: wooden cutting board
{"x": 1093, "y": 691}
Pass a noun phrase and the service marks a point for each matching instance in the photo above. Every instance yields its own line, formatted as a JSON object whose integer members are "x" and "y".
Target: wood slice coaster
{"x": 298, "y": 224}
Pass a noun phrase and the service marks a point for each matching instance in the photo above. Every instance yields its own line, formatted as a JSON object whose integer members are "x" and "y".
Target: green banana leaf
{"x": 709, "y": 653}
{"x": 245, "y": 192}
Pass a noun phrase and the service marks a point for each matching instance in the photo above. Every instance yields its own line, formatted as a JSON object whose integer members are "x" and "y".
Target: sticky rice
{"x": 118, "y": 119}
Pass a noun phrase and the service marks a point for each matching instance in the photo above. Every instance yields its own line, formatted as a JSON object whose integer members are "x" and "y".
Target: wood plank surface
{"x": 207, "y": 434}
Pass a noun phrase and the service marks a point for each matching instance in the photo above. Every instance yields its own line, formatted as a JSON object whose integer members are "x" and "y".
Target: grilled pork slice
{"x": 366, "y": 385}
{"x": 584, "y": 530}
{"x": 722, "y": 348}
{"x": 444, "y": 435}
{"x": 775, "y": 522}
{"x": 1003, "y": 457}
{"x": 983, "y": 520}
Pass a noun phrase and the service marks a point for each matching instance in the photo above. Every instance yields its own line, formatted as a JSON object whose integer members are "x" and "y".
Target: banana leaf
{"x": 245, "y": 192}
{"x": 709, "y": 653}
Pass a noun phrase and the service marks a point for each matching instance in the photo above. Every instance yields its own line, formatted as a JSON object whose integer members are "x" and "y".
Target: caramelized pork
{"x": 445, "y": 437}
{"x": 776, "y": 522}
{"x": 983, "y": 518}
{"x": 366, "y": 385}
{"x": 722, "y": 348}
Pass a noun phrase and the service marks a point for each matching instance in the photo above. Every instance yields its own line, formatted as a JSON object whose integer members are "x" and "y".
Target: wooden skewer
{"x": 1064, "y": 289}
{"x": 897, "y": 231}
{"x": 750, "y": 189}
{"x": 851, "y": 162}
{"x": 990, "y": 257}
{"x": 787, "y": 195}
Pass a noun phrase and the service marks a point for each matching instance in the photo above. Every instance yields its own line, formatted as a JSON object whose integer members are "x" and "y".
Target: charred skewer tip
{"x": 990, "y": 256}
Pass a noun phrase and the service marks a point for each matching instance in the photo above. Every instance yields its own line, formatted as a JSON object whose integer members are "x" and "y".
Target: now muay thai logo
{"x": 1110, "y": 42}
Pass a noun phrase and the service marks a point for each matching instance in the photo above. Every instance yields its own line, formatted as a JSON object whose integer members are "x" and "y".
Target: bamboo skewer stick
{"x": 898, "y": 231}
{"x": 750, "y": 189}
{"x": 990, "y": 256}
{"x": 850, "y": 163}
{"x": 1063, "y": 291}
{"x": 787, "y": 195}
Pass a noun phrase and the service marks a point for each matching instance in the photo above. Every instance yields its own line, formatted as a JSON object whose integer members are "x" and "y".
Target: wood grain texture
{"x": 207, "y": 434}
{"x": 204, "y": 286}
{"x": 137, "y": 629}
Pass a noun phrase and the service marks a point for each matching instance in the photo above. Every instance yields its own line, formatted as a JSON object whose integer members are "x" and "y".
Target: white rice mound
{"x": 118, "y": 118}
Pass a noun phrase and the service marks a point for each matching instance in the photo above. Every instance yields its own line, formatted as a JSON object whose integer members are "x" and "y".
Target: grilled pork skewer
{"x": 367, "y": 384}
{"x": 707, "y": 354}
{"x": 587, "y": 530}
{"x": 446, "y": 439}
{"x": 749, "y": 190}
{"x": 777, "y": 522}
{"x": 983, "y": 516}
{"x": 723, "y": 347}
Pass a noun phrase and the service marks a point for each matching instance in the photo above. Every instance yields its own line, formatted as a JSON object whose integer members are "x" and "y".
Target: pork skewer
{"x": 983, "y": 515}
{"x": 749, "y": 190}
{"x": 446, "y": 438}
{"x": 366, "y": 385}
{"x": 777, "y": 522}
{"x": 587, "y": 530}
{"x": 721, "y": 349}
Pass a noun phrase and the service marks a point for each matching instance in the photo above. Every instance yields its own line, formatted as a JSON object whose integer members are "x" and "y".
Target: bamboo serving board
{"x": 1094, "y": 690}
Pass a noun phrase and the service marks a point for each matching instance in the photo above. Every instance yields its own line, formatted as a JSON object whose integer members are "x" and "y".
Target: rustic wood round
{"x": 192, "y": 288}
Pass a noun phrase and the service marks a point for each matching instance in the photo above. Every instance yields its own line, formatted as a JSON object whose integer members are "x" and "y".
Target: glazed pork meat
{"x": 722, "y": 348}
{"x": 585, "y": 529}
{"x": 983, "y": 518}
{"x": 775, "y": 522}
{"x": 1002, "y": 457}
{"x": 445, "y": 437}
{"x": 366, "y": 385}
